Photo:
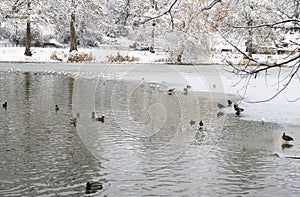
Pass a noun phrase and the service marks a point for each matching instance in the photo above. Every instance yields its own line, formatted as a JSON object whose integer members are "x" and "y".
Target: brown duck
{"x": 287, "y": 138}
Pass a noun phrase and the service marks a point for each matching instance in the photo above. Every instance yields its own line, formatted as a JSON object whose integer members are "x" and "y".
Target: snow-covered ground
{"x": 100, "y": 55}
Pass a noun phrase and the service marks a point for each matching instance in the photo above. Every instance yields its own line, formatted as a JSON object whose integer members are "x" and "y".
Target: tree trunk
{"x": 72, "y": 29}
{"x": 296, "y": 10}
{"x": 127, "y": 14}
{"x": 151, "y": 48}
{"x": 249, "y": 44}
{"x": 28, "y": 34}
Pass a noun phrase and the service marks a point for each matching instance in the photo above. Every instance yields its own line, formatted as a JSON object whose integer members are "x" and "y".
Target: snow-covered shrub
{"x": 73, "y": 56}
{"x": 120, "y": 58}
{"x": 59, "y": 56}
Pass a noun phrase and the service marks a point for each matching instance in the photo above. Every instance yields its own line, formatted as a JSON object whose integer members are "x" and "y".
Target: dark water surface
{"x": 145, "y": 147}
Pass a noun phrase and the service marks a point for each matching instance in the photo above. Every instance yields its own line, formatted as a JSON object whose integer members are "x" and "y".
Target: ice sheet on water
{"x": 201, "y": 78}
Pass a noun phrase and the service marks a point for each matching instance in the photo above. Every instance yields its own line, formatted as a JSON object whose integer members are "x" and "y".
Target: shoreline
{"x": 109, "y": 63}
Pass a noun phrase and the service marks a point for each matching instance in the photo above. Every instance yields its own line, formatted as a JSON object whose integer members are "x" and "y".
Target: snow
{"x": 100, "y": 55}
{"x": 279, "y": 110}
{"x": 16, "y": 54}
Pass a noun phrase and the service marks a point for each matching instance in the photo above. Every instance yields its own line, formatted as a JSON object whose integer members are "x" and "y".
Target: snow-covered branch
{"x": 211, "y": 5}
{"x": 285, "y": 24}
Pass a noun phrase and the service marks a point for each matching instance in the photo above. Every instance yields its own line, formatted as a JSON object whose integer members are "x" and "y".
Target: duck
{"x": 93, "y": 186}
{"x": 171, "y": 91}
{"x": 188, "y": 86}
{"x": 201, "y": 123}
{"x": 157, "y": 87}
{"x": 5, "y": 105}
{"x": 287, "y": 138}
{"x": 100, "y": 119}
{"x": 73, "y": 121}
{"x": 220, "y": 106}
{"x": 237, "y": 108}
{"x": 93, "y": 115}
{"x": 152, "y": 86}
{"x": 185, "y": 91}
{"x": 229, "y": 102}
{"x": 56, "y": 108}
{"x": 238, "y": 113}
{"x": 192, "y": 122}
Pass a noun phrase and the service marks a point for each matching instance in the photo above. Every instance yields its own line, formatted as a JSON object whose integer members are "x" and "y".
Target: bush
{"x": 120, "y": 58}
{"x": 73, "y": 56}
{"x": 58, "y": 56}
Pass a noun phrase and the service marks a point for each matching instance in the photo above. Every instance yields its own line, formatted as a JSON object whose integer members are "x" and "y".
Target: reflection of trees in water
{"x": 43, "y": 147}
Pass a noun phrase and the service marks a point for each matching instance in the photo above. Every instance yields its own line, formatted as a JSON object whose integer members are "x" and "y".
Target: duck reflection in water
{"x": 192, "y": 122}
{"x": 286, "y": 145}
{"x": 219, "y": 114}
{"x": 5, "y": 105}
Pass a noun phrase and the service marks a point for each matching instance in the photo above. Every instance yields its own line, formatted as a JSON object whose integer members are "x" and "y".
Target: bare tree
{"x": 20, "y": 10}
{"x": 254, "y": 66}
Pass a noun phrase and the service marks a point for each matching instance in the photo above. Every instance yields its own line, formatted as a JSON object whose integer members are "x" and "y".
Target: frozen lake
{"x": 146, "y": 145}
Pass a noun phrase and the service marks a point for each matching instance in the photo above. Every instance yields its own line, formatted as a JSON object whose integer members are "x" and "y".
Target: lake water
{"x": 146, "y": 145}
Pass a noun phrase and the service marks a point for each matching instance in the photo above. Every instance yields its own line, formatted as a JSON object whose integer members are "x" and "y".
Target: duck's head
{"x": 88, "y": 185}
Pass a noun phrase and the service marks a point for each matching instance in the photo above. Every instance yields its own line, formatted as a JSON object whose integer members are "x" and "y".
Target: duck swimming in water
{"x": 201, "y": 125}
{"x": 100, "y": 119}
{"x": 56, "y": 108}
{"x": 185, "y": 91}
{"x": 171, "y": 91}
{"x": 5, "y": 105}
{"x": 93, "y": 186}
{"x": 73, "y": 121}
{"x": 229, "y": 103}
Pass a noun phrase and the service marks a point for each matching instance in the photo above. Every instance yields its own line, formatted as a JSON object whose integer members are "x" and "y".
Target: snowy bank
{"x": 99, "y": 55}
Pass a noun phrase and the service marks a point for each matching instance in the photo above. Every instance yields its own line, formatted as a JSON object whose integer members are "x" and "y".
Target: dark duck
{"x": 287, "y": 138}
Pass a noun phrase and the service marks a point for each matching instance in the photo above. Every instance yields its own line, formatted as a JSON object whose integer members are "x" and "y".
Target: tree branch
{"x": 271, "y": 25}
{"x": 164, "y": 13}
{"x": 281, "y": 90}
{"x": 211, "y": 5}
